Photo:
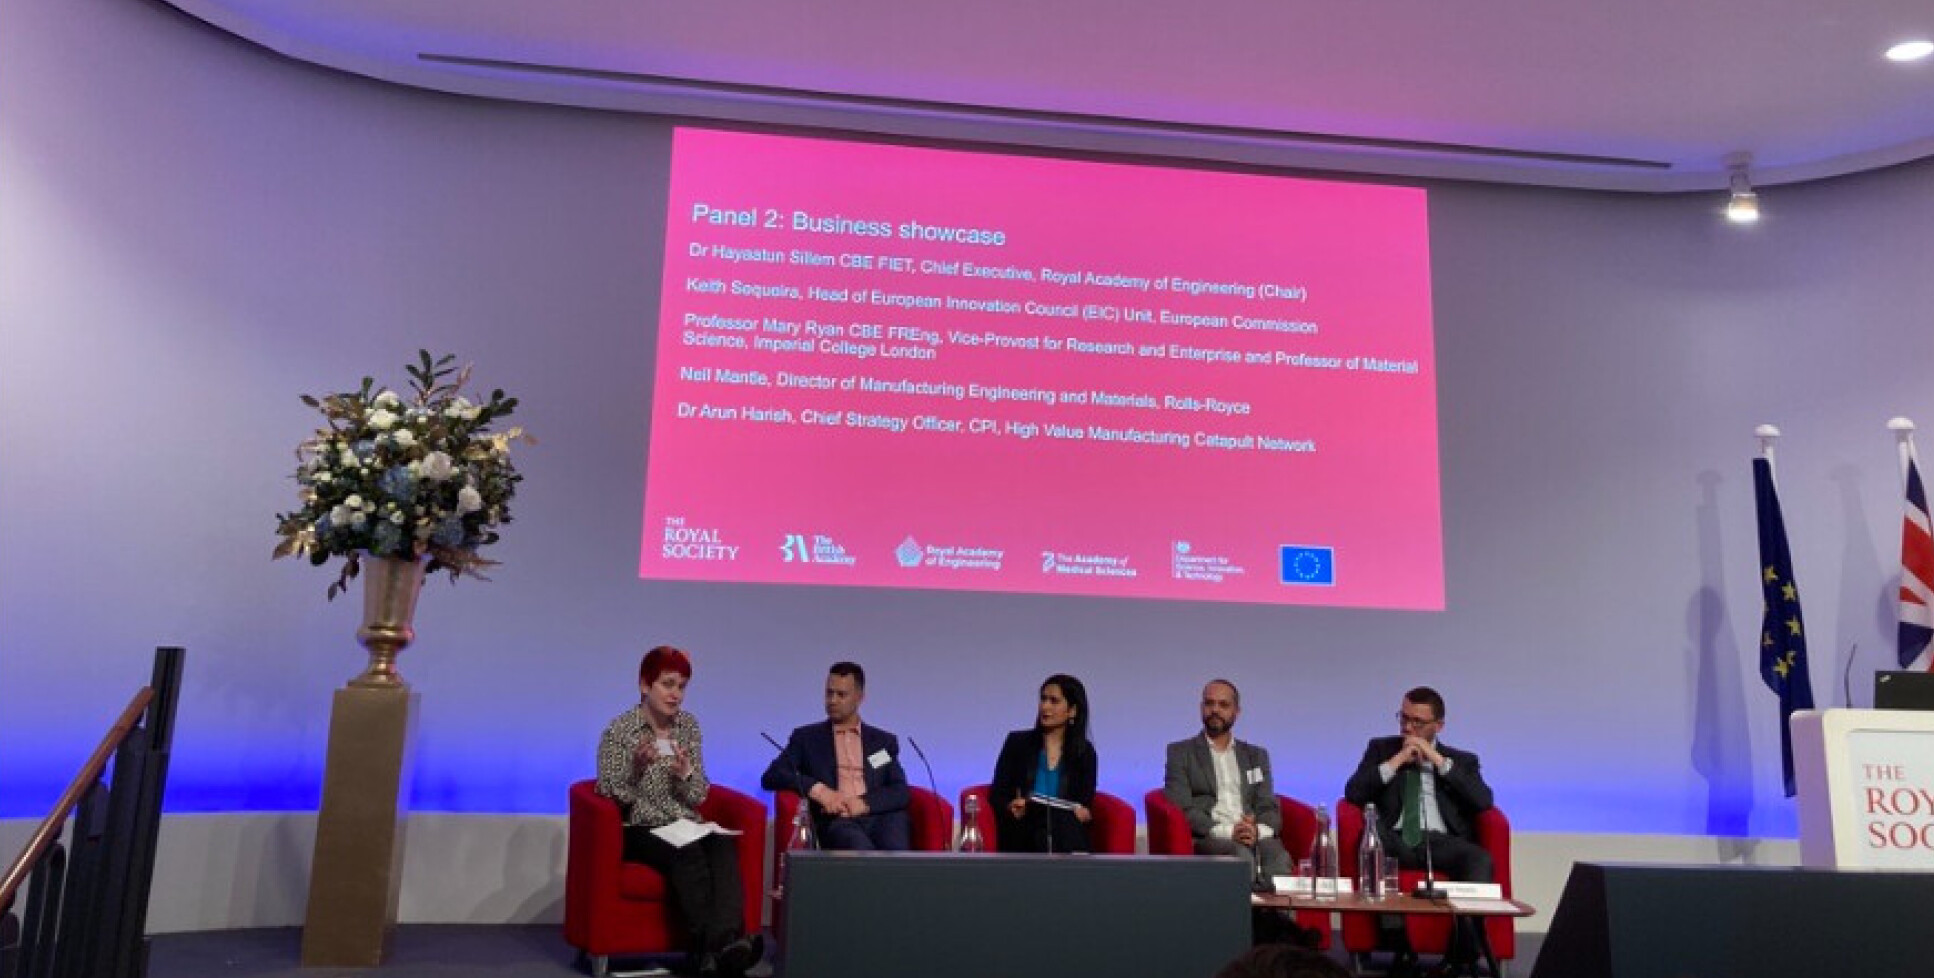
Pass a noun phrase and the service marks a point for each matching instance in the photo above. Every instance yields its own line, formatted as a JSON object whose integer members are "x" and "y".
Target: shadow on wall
{"x": 1721, "y": 747}
{"x": 532, "y": 890}
{"x": 1865, "y": 586}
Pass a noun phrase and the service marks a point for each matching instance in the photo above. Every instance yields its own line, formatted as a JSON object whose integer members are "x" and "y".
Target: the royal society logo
{"x": 695, "y": 543}
{"x": 813, "y": 548}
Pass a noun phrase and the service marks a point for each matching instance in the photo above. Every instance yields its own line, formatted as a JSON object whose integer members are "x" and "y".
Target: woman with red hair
{"x": 650, "y": 761}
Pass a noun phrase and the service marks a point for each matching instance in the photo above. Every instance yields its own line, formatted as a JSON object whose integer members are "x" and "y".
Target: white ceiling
{"x": 1644, "y": 95}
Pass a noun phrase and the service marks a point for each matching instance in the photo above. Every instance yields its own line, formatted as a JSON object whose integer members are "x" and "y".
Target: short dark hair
{"x": 1237, "y": 693}
{"x": 661, "y": 660}
{"x": 1425, "y": 696}
{"x": 851, "y": 670}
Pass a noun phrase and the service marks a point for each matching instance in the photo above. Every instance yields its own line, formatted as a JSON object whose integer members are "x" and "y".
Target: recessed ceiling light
{"x": 1910, "y": 50}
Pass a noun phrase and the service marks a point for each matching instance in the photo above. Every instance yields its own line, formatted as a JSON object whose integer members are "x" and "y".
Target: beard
{"x": 1217, "y": 725}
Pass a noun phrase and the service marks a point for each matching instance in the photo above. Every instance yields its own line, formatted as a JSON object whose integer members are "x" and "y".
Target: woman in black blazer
{"x": 1053, "y": 759}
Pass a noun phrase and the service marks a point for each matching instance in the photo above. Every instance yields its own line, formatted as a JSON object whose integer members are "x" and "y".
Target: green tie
{"x": 1412, "y": 823}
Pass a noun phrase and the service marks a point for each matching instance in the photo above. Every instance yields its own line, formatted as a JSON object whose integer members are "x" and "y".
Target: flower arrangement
{"x": 391, "y": 477}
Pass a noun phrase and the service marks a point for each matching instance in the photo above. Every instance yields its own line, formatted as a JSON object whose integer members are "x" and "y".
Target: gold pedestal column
{"x": 357, "y": 873}
{"x": 358, "y": 868}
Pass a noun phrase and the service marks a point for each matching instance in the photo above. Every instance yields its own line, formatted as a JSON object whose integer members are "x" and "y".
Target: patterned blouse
{"x": 650, "y": 795}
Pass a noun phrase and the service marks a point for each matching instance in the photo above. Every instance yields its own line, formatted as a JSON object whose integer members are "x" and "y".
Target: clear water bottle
{"x": 1369, "y": 858}
{"x": 1322, "y": 857}
{"x": 798, "y": 838}
{"x": 970, "y": 840}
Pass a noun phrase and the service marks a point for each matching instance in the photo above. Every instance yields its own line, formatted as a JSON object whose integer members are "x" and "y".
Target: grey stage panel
{"x": 995, "y": 915}
{"x": 1632, "y": 921}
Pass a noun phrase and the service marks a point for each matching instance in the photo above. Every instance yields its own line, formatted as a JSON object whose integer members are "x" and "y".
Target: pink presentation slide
{"x": 885, "y": 366}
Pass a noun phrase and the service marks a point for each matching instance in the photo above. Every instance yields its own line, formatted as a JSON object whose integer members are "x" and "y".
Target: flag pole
{"x": 1767, "y": 435}
{"x": 1903, "y": 430}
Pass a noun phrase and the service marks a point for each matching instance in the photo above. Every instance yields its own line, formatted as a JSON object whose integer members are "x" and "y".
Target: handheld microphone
{"x": 935, "y": 785}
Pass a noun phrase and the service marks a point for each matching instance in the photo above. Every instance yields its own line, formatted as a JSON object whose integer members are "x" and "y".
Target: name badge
{"x": 1255, "y": 775}
{"x": 879, "y": 759}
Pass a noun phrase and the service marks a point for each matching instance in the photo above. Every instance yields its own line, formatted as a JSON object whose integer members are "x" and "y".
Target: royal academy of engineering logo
{"x": 683, "y": 542}
{"x": 912, "y": 553}
{"x": 813, "y": 548}
{"x": 909, "y": 552}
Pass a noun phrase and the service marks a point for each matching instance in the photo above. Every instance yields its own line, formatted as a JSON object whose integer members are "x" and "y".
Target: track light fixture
{"x": 1742, "y": 206}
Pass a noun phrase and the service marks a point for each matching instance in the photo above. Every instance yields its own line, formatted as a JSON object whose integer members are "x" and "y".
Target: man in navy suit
{"x": 1425, "y": 790}
{"x": 850, "y": 772}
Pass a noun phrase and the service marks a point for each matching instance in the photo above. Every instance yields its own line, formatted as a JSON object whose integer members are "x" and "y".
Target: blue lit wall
{"x": 192, "y": 232}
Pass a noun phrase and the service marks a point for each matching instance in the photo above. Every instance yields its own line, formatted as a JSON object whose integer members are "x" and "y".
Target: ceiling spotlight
{"x": 1742, "y": 206}
{"x": 1910, "y": 51}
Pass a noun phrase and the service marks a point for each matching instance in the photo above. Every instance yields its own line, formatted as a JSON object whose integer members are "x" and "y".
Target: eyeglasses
{"x": 1410, "y": 721}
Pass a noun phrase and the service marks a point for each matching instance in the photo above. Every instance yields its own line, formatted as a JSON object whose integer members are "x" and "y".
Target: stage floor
{"x": 434, "y": 951}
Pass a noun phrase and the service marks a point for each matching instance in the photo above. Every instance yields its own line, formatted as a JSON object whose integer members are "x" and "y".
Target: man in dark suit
{"x": 850, "y": 772}
{"x": 1425, "y": 790}
{"x": 1224, "y": 786}
{"x": 1428, "y": 796}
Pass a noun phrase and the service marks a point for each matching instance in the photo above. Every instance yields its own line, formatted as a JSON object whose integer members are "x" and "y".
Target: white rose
{"x": 398, "y": 518}
{"x": 381, "y": 420}
{"x": 403, "y": 438}
{"x": 435, "y": 467}
{"x": 387, "y": 399}
{"x": 469, "y": 500}
{"x": 347, "y": 459}
{"x": 324, "y": 477}
{"x": 355, "y": 502}
{"x": 356, "y": 518}
{"x": 341, "y": 515}
{"x": 460, "y": 408}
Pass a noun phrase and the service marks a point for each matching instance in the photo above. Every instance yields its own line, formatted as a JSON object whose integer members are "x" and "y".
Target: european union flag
{"x": 1782, "y": 632}
{"x": 1308, "y": 565}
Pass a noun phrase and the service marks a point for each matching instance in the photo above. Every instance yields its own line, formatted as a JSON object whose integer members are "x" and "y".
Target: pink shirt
{"x": 852, "y": 765}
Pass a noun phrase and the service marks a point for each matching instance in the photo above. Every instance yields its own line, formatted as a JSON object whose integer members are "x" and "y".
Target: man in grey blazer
{"x": 1224, "y": 786}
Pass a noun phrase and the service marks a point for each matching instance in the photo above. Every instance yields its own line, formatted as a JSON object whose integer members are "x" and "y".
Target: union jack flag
{"x": 1916, "y": 575}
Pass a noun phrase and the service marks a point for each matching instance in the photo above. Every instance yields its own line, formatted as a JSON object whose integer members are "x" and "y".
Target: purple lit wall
{"x": 193, "y": 231}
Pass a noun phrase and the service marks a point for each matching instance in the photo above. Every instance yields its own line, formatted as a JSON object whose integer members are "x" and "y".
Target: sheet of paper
{"x": 684, "y": 832}
{"x": 1469, "y": 905}
{"x": 1061, "y": 803}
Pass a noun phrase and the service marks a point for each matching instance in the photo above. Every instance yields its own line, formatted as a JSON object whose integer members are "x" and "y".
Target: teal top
{"x": 1047, "y": 780}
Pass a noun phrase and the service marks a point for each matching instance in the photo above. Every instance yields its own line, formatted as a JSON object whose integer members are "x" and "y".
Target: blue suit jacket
{"x": 810, "y": 758}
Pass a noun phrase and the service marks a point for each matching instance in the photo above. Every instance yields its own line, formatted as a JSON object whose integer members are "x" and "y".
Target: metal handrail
{"x": 50, "y": 827}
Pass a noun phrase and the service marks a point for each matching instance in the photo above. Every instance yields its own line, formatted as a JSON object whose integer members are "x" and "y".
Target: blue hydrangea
{"x": 388, "y": 538}
{"x": 365, "y": 448}
{"x": 448, "y": 533}
{"x": 398, "y": 483}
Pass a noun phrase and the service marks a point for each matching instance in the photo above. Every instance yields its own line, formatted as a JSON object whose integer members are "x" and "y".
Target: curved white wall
{"x": 193, "y": 231}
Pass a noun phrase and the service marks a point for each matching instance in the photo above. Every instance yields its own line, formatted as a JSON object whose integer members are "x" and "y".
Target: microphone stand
{"x": 798, "y": 780}
{"x": 935, "y": 785}
{"x": 1428, "y": 889}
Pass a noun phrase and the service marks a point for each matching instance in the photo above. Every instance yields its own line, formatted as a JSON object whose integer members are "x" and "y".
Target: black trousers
{"x": 704, "y": 881}
{"x": 1453, "y": 859}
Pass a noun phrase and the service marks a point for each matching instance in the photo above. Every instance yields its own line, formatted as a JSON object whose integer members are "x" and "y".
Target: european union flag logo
{"x": 1308, "y": 565}
{"x": 1782, "y": 632}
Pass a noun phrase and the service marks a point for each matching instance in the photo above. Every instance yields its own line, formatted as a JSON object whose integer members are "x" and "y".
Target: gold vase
{"x": 390, "y": 587}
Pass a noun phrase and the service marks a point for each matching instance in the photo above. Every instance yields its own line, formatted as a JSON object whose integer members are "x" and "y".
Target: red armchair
{"x": 1429, "y": 934}
{"x": 1169, "y": 835}
{"x": 1111, "y": 832}
{"x": 612, "y": 907}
